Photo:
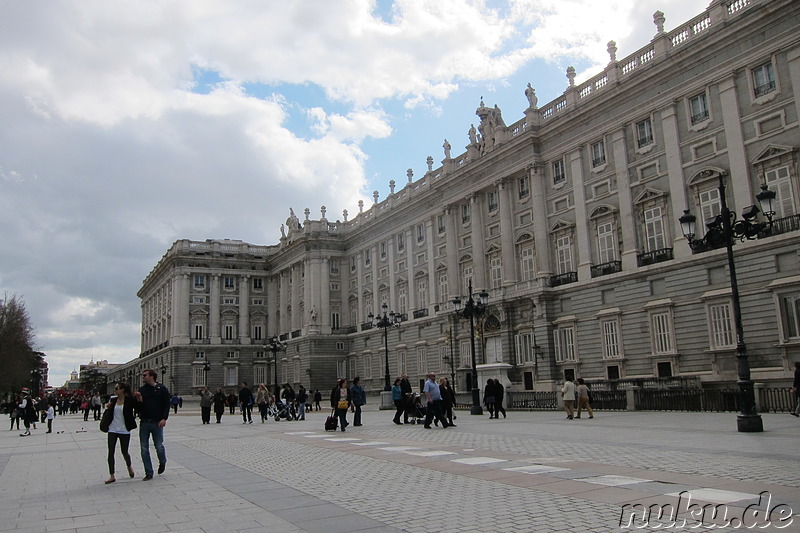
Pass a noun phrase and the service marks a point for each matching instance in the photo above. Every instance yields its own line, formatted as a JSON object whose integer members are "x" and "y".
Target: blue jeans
{"x": 301, "y": 410}
{"x": 357, "y": 416}
{"x": 145, "y": 430}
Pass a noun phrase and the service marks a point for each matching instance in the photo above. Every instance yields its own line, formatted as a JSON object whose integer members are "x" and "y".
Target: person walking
{"x": 408, "y": 394}
{"x": 16, "y": 412}
{"x": 96, "y": 404}
{"x": 205, "y": 404}
{"x": 568, "y": 397}
{"x": 175, "y": 402}
{"x": 219, "y": 404}
{"x": 340, "y": 402}
{"x": 153, "y": 407}
{"x": 262, "y": 401}
{"x": 583, "y": 399}
{"x": 27, "y": 411}
{"x": 232, "y": 403}
{"x": 488, "y": 397}
{"x": 246, "y": 401}
{"x": 317, "y": 399}
{"x": 499, "y": 392}
{"x": 50, "y": 414}
{"x": 302, "y": 398}
{"x": 434, "y": 407}
{"x": 399, "y": 404}
{"x": 448, "y": 400}
{"x": 359, "y": 398}
{"x": 796, "y": 388}
{"x": 122, "y": 424}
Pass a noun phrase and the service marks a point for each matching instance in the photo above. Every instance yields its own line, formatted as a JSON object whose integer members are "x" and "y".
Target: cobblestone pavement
{"x": 531, "y": 472}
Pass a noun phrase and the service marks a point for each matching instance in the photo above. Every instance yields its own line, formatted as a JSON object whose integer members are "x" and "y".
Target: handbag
{"x": 106, "y": 419}
{"x": 342, "y": 404}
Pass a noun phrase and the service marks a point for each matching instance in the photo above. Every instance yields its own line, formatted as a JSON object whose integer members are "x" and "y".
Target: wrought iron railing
{"x": 606, "y": 268}
{"x": 563, "y": 279}
{"x": 656, "y": 256}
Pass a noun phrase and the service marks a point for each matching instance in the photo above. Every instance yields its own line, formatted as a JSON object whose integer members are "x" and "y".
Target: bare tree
{"x": 17, "y": 355}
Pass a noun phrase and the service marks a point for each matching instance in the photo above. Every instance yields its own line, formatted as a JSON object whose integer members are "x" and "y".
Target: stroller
{"x": 281, "y": 409}
{"x": 416, "y": 410}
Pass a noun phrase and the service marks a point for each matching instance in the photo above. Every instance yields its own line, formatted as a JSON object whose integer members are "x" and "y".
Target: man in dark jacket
{"x": 796, "y": 388}
{"x": 153, "y": 413}
{"x": 246, "y": 400}
{"x": 405, "y": 387}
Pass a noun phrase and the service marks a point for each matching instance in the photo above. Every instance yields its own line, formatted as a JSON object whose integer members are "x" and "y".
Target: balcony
{"x": 419, "y": 313}
{"x": 296, "y": 333}
{"x": 345, "y": 330}
{"x": 781, "y": 225}
{"x": 767, "y": 88}
{"x": 606, "y": 268}
{"x": 366, "y": 325}
{"x": 563, "y": 279}
{"x": 656, "y": 256}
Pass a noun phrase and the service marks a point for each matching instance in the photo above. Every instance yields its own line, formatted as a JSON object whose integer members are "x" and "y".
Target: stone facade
{"x": 568, "y": 218}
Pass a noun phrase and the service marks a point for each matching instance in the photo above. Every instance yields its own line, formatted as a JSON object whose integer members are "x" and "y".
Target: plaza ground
{"x": 534, "y": 471}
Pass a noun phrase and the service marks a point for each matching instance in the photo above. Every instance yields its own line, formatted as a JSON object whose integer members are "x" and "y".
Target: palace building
{"x": 569, "y": 219}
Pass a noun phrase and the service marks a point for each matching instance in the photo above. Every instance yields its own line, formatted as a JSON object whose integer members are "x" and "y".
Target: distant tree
{"x": 17, "y": 355}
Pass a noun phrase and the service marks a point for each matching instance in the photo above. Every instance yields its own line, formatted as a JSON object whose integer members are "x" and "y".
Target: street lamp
{"x": 206, "y": 369}
{"x": 163, "y": 371}
{"x": 471, "y": 310}
{"x": 274, "y": 345}
{"x": 392, "y": 320}
{"x": 448, "y": 359}
{"x": 723, "y": 230}
{"x": 35, "y": 376}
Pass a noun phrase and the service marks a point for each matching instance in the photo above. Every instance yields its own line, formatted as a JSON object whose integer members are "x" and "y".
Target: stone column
{"x": 180, "y": 318}
{"x": 793, "y": 59}
{"x": 478, "y": 244}
{"x": 677, "y": 182}
{"x": 541, "y": 234}
{"x": 215, "y": 334}
{"x": 244, "y": 309}
{"x": 506, "y": 207}
{"x": 360, "y": 289}
{"x": 451, "y": 242}
{"x": 284, "y": 300}
{"x": 296, "y": 322}
{"x": 411, "y": 292}
{"x": 626, "y": 218}
{"x": 273, "y": 305}
{"x": 308, "y": 292}
{"x": 582, "y": 236}
{"x": 739, "y": 180}
{"x": 392, "y": 277}
{"x": 324, "y": 315}
{"x": 431, "y": 264}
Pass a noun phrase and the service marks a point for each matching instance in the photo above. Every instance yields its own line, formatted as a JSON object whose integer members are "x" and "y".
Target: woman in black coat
{"x": 122, "y": 423}
{"x": 219, "y": 404}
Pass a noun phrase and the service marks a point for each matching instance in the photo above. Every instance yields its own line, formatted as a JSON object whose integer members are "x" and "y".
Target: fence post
{"x": 759, "y": 393}
{"x": 630, "y": 398}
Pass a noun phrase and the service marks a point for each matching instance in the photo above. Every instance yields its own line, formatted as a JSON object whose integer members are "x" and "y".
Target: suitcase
{"x": 331, "y": 422}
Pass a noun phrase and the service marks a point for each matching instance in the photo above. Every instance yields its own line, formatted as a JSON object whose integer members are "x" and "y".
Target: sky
{"x": 127, "y": 125}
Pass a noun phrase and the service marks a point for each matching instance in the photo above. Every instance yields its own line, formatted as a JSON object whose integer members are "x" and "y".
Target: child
{"x": 51, "y": 414}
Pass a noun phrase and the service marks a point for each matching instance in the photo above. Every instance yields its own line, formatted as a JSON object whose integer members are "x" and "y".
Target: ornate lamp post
{"x": 274, "y": 345}
{"x": 206, "y": 369}
{"x": 723, "y": 230}
{"x": 392, "y": 320}
{"x": 471, "y": 310}
{"x": 35, "y": 377}
{"x": 448, "y": 359}
{"x": 163, "y": 371}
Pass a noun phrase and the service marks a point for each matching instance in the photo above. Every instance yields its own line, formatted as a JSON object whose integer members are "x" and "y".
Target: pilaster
{"x": 737, "y": 153}
{"x": 583, "y": 244}
{"x": 677, "y": 182}
{"x": 626, "y": 217}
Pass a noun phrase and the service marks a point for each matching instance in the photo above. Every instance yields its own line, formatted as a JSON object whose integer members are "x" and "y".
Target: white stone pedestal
{"x": 494, "y": 371}
{"x": 386, "y": 400}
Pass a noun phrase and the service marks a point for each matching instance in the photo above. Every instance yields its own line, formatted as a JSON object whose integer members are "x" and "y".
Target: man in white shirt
{"x": 568, "y": 396}
{"x": 434, "y": 397}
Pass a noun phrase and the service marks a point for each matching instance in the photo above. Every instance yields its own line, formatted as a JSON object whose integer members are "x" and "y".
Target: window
{"x": 422, "y": 293}
{"x": 333, "y": 264}
{"x": 598, "y": 154}
{"x": 198, "y": 331}
{"x": 496, "y": 271}
{"x": 228, "y": 332}
{"x": 524, "y": 187}
{"x": 198, "y": 376}
{"x": 259, "y": 374}
{"x": 606, "y": 245}
{"x": 367, "y": 366}
{"x": 698, "y": 108}
{"x": 401, "y": 362}
{"x": 401, "y": 242}
{"x": 564, "y": 337}
{"x": 721, "y": 326}
{"x": 779, "y": 180}
{"x": 258, "y": 301}
{"x": 199, "y": 355}
{"x": 231, "y": 375}
{"x": 368, "y": 257}
{"x": 654, "y": 229}
{"x": 198, "y": 299}
{"x": 420, "y": 233}
{"x": 353, "y": 264}
{"x": 492, "y": 200}
{"x": 644, "y": 132}
{"x": 466, "y": 275}
{"x": 258, "y": 284}
{"x": 230, "y": 282}
{"x": 558, "y": 172}
{"x": 527, "y": 266}
{"x": 790, "y": 315}
{"x": 710, "y": 204}
{"x": 257, "y": 333}
{"x": 229, "y": 301}
{"x": 401, "y": 300}
{"x": 444, "y": 359}
{"x": 661, "y": 328}
{"x": 611, "y": 345}
{"x": 261, "y": 354}
{"x": 443, "y": 291}
{"x": 524, "y": 348}
{"x": 382, "y": 248}
{"x": 422, "y": 361}
{"x": 336, "y": 320}
{"x": 232, "y": 355}
{"x": 341, "y": 368}
{"x": 440, "y": 224}
{"x": 466, "y": 354}
{"x": 763, "y": 80}
{"x": 564, "y": 254}
{"x": 199, "y": 281}
{"x": 466, "y": 213}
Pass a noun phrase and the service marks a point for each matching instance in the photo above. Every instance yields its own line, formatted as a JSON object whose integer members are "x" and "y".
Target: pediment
{"x": 602, "y": 211}
{"x": 649, "y": 194}
{"x": 771, "y": 152}
{"x": 561, "y": 225}
{"x": 707, "y": 174}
